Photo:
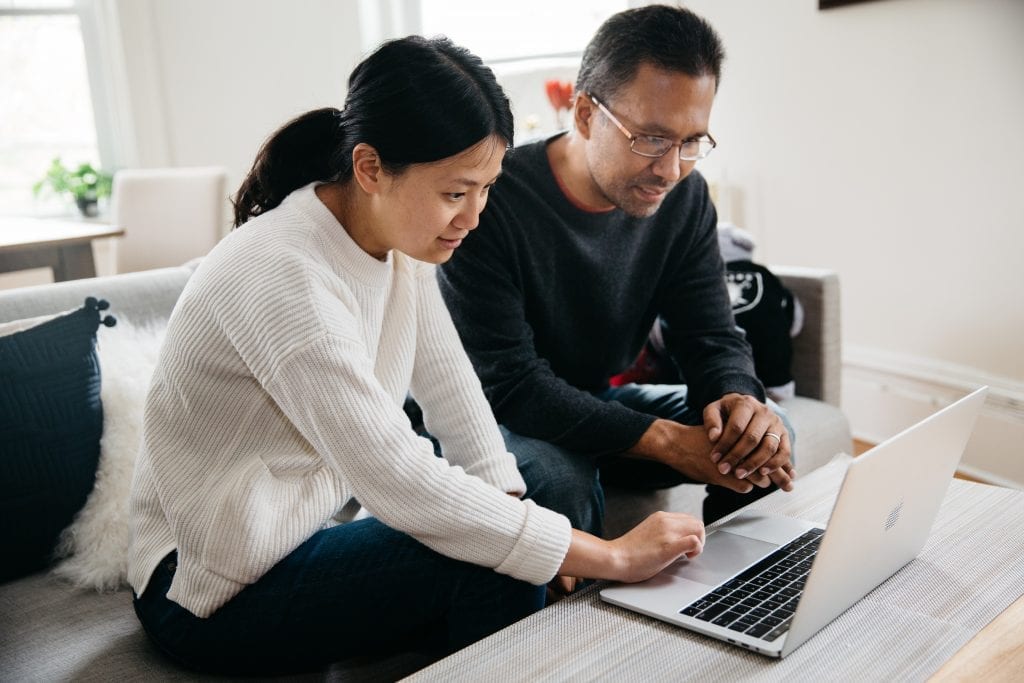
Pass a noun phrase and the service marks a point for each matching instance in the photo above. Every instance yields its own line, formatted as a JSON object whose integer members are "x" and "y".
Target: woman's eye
{"x": 455, "y": 196}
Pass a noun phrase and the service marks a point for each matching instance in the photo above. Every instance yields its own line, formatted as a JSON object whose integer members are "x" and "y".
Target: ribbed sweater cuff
{"x": 541, "y": 547}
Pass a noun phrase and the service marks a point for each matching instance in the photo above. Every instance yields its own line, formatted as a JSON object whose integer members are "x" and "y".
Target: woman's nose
{"x": 469, "y": 217}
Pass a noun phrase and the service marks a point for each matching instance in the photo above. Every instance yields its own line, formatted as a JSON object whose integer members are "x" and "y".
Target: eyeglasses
{"x": 652, "y": 146}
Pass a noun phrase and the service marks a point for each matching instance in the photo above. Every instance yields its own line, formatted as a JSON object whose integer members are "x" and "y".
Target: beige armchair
{"x": 169, "y": 215}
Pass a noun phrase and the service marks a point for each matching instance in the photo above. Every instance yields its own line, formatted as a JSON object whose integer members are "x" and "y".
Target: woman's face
{"x": 426, "y": 211}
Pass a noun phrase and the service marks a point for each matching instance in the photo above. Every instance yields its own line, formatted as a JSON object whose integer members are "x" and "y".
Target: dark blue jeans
{"x": 572, "y": 483}
{"x": 359, "y": 589}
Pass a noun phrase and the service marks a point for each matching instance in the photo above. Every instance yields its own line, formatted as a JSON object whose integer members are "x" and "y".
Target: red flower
{"x": 559, "y": 93}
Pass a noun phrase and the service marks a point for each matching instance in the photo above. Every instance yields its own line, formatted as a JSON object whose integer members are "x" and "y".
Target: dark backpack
{"x": 764, "y": 310}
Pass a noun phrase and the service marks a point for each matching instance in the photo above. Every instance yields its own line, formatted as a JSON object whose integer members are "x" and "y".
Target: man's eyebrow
{"x": 661, "y": 132}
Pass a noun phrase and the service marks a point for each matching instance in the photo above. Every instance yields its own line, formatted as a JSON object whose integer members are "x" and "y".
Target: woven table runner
{"x": 969, "y": 571}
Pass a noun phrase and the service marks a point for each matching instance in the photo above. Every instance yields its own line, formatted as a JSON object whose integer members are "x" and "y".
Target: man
{"x": 588, "y": 238}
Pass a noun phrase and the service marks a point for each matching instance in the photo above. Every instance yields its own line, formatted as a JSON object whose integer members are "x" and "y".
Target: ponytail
{"x": 307, "y": 148}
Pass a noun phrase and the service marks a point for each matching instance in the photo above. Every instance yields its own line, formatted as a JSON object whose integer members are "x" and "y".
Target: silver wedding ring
{"x": 774, "y": 436}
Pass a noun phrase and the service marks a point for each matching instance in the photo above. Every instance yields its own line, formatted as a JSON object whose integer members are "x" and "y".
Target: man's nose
{"x": 670, "y": 167}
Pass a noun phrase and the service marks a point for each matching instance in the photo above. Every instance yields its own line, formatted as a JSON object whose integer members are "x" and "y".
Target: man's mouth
{"x": 652, "y": 192}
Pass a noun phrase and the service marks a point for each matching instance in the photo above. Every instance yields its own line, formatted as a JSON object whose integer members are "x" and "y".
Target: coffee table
{"x": 906, "y": 629}
{"x": 65, "y": 246}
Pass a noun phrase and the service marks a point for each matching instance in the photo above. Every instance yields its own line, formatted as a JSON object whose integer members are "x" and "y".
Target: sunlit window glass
{"x": 525, "y": 28}
{"x": 45, "y": 101}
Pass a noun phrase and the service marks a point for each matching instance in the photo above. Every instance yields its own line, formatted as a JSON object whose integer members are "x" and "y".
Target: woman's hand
{"x": 639, "y": 554}
{"x": 655, "y": 543}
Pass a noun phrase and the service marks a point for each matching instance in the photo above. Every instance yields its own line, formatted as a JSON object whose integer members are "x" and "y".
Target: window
{"x": 517, "y": 30}
{"x": 526, "y": 42}
{"x": 45, "y": 100}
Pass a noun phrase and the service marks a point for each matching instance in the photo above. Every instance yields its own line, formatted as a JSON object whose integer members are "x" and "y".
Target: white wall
{"x": 886, "y": 140}
{"x": 209, "y": 81}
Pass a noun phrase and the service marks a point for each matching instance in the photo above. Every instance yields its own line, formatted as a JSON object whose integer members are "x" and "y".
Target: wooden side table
{"x": 65, "y": 246}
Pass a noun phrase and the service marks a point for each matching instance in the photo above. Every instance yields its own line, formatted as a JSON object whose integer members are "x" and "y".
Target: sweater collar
{"x": 350, "y": 256}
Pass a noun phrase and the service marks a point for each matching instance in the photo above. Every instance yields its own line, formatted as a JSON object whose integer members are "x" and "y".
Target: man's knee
{"x": 559, "y": 479}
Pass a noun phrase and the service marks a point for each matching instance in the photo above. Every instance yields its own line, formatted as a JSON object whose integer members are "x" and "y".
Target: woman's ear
{"x": 366, "y": 168}
{"x": 583, "y": 113}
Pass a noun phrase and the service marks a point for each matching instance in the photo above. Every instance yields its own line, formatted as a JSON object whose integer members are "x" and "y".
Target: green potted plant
{"x": 85, "y": 184}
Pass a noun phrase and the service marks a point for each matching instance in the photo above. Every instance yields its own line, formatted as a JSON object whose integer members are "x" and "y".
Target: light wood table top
{"x": 65, "y": 246}
{"x": 995, "y": 654}
{"x": 17, "y": 232}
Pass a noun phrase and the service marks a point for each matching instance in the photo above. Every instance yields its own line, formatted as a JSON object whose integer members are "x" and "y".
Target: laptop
{"x": 768, "y": 583}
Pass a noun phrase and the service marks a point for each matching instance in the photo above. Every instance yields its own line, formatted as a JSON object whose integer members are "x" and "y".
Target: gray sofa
{"x": 51, "y": 631}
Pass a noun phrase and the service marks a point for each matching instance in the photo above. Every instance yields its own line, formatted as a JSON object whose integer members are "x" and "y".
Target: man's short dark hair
{"x": 670, "y": 38}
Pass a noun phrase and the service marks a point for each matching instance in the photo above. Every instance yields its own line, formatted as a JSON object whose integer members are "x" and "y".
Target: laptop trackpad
{"x": 724, "y": 554}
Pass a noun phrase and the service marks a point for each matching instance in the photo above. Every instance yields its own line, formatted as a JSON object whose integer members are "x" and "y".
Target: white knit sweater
{"x": 277, "y": 398}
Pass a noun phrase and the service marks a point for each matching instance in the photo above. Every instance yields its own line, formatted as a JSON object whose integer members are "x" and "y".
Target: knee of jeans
{"x": 547, "y": 466}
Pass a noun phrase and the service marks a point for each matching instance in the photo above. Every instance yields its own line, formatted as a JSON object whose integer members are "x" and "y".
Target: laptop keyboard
{"x": 760, "y": 601}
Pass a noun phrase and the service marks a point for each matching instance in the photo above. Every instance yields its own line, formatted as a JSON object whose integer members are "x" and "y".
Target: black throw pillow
{"x": 51, "y": 420}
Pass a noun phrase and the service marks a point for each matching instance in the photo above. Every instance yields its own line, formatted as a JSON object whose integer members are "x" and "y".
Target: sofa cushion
{"x": 96, "y": 544}
{"x": 51, "y": 420}
{"x": 52, "y": 631}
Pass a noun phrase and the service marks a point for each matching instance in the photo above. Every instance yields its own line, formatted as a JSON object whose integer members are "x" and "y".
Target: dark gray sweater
{"x": 551, "y": 300}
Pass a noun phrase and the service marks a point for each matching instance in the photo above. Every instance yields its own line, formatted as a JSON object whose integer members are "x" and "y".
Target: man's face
{"x": 667, "y": 104}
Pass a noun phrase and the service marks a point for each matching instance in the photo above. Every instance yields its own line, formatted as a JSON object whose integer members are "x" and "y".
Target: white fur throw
{"x": 96, "y": 542}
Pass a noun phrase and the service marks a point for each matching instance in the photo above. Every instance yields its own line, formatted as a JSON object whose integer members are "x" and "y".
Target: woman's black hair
{"x": 414, "y": 100}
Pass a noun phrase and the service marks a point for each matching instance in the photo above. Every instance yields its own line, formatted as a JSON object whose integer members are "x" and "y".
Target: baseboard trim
{"x": 1005, "y": 394}
{"x": 885, "y": 392}
{"x": 987, "y": 477}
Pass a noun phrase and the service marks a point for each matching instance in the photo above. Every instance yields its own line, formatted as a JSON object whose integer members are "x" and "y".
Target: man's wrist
{"x": 662, "y": 442}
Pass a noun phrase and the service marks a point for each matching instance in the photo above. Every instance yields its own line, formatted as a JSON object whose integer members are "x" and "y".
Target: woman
{"x": 277, "y": 403}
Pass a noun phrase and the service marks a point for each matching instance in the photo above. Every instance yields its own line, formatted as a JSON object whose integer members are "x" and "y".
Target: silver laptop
{"x": 769, "y": 583}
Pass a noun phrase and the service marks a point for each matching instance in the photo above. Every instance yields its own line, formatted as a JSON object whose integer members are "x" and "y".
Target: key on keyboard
{"x": 760, "y": 601}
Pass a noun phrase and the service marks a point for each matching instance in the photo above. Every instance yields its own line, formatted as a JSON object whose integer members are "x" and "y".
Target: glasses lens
{"x": 694, "y": 150}
{"x": 651, "y": 146}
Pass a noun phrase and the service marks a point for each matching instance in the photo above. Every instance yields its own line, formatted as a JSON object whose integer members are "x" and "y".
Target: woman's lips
{"x": 450, "y": 244}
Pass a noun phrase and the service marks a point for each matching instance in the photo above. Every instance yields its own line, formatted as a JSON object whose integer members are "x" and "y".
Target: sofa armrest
{"x": 817, "y": 351}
